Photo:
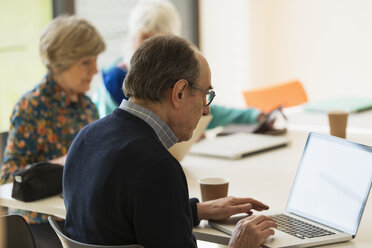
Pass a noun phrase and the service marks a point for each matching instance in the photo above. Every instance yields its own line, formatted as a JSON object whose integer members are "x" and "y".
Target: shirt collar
{"x": 50, "y": 87}
{"x": 162, "y": 130}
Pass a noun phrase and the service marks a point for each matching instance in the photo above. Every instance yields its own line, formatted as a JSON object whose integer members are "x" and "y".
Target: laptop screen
{"x": 332, "y": 182}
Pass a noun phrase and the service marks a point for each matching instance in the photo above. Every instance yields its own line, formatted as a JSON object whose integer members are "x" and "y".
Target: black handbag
{"x": 37, "y": 181}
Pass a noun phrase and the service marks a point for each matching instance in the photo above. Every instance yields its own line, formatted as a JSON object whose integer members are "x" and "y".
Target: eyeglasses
{"x": 210, "y": 94}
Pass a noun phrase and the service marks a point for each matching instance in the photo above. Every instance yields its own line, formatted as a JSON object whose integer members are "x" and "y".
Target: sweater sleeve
{"x": 162, "y": 215}
{"x": 22, "y": 142}
{"x": 194, "y": 211}
{"x": 223, "y": 116}
{"x": 113, "y": 80}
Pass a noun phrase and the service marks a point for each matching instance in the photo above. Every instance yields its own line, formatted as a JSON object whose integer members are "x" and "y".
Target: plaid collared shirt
{"x": 162, "y": 130}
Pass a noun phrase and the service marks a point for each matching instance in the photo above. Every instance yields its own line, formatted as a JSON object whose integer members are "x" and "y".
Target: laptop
{"x": 238, "y": 145}
{"x": 180, "y": 150}
{"x": 328, "y": 195}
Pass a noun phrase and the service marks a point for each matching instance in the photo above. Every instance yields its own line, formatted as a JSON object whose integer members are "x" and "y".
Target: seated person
{"x": 122, "y": 186}
{"x": 47, "y": 118}
{"x": 149, "y": 18}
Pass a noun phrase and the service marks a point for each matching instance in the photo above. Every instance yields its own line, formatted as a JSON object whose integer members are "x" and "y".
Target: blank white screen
{"x": 332, "y": 182}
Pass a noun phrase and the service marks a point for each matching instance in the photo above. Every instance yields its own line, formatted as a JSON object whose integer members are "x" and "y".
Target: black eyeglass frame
{"x": 209, "y": 93}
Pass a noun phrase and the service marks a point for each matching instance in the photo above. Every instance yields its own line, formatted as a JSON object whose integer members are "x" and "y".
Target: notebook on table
{"x": 328, "y": 195}
{"x": 180, "y": 150}
{"x": 350, "y": 104}
{"x": 238, "y": 145}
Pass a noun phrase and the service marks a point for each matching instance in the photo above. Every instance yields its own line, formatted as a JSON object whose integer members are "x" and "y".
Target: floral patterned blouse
{"x": 43, "y": 125}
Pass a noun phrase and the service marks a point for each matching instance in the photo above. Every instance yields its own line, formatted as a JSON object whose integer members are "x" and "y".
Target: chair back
{"x": 15, "y": 232}
{"x": 70, "y": 243}
{"x": 267, "y": 98}
{"x": 3, "y": 138}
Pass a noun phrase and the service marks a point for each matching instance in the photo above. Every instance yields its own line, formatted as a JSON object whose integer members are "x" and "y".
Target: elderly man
{"x": 122, "y": 186}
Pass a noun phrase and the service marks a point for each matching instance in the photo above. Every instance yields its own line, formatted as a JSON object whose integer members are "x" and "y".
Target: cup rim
{"x": 209, "y": 180}
{"x": 338, "y": 112}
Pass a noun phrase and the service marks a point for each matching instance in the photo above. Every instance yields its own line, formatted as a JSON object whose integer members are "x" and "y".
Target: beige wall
{"x": 225, "y": 42}
{"x": 327, "y": 44}
{"x": 21, "y": 23}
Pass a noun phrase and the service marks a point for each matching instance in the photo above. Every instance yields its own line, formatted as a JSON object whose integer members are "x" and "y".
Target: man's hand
{"x": 223, "y": 208}
{"x": 252, "y": 231}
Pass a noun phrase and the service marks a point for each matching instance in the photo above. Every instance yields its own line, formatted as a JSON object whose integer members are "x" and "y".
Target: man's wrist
{"x": 203, "y": 211}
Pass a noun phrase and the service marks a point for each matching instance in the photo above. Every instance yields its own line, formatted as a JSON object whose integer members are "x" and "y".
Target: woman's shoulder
{"x": 40, "y": 98}
{"x": 118, "y": 70}
{"x": 114, "y": 72}
{"x": 31, "y": 98}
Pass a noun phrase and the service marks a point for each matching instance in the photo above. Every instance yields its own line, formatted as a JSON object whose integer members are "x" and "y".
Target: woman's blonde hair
{"x": 67, "y": 39}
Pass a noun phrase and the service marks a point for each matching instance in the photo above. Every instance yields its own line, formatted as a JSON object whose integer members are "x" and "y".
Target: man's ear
{"x": 179, "y": 92}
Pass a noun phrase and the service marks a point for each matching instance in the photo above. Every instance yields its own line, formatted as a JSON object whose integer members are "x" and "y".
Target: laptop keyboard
{"x": 298, "y": 228}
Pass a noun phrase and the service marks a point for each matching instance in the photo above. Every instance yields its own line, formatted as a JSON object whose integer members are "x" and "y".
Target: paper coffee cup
{"x": 338, "y": 122}
{"x": 213, "y": 188}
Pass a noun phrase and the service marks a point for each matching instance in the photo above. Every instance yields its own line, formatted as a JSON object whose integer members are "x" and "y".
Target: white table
{"x": 52, "y": 205}
{"x": 266, "y": 176}
{"x": 298, "y": 119}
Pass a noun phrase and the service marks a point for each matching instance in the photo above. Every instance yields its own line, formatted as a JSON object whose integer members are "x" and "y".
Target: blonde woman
{"x": 47, "y": 118}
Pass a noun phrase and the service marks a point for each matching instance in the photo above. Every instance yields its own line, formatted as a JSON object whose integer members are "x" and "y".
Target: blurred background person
{"x": 47, "y": 118}
{"x": 149, "y": 18}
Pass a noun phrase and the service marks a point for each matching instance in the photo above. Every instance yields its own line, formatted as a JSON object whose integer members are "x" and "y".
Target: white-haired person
{"x": 149, "y": 18}
{"x": 47, "y": 118}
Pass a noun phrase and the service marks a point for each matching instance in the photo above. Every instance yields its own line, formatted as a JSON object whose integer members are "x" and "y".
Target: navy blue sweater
{"x": 122, "y": 186}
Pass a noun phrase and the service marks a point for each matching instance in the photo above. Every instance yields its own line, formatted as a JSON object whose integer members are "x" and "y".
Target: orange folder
{"x": 288, "y": 94}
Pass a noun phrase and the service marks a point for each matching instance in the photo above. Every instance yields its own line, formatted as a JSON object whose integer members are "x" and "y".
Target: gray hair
{"x": 154, "y": 16}
{"x": 158, "y": 64}
{"x": 67, "y": 39}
